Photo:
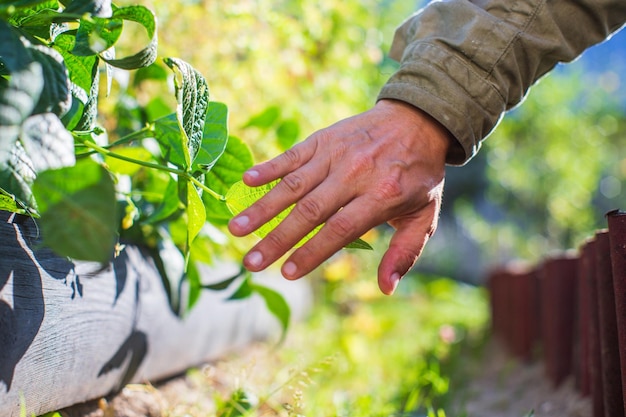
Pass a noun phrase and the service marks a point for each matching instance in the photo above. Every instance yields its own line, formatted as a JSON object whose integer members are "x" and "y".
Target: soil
{"x": 497, "y": 386}
{"x": 501, "y": 386}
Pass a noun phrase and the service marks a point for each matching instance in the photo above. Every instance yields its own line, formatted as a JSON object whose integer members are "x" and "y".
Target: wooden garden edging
{"x": 569, "y": 311}
{"x": 75, "y": 331}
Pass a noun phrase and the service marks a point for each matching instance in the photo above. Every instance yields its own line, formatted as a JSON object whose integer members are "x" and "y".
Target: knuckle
{"x": 293, "y": 182}
{"x": 389, "y": 189}
{"x": 360, "y": 165}
{"x": 292, "y": 156}
{"x": 341, "y": 226}
{"x": 309, "y": 210}
{"x": 275, "y": 239}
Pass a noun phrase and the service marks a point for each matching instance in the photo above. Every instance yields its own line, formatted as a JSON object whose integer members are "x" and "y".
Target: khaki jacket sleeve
{"x": 467, "y": 62}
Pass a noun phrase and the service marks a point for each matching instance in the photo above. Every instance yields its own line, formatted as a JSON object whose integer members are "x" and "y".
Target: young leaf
{"x": 240, "y": 197}
{"x": 196, "y": 215}
{"x": 77, "y": 206}
{"x": 192, "y": 95}
{"x": 277, "y": 305}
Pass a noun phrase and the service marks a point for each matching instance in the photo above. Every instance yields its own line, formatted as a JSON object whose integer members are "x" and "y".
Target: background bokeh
{"x": 542, "y": 181}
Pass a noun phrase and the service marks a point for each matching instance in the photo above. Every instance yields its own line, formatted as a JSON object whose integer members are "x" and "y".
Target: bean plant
{"x": 161, "y": 185}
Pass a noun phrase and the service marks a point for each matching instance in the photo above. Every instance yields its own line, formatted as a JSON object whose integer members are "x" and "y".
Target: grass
{"x": 358, "y": 354}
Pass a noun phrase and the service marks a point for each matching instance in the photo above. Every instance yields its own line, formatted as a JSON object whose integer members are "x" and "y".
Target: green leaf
{"x": 99, "y": 35}
{"x": 77, "y": 206}
{"x": 287, "y": 133}
{"x": 244, "y": 290}
{"x": 194, "y": 281}
{"x": 96, "y": 35}
{"x": 122, "y": 167}
{"x": 192, "y": 95}
{"x": 152, "y": 72}
{"x": 214, "y": 137}
{"x": 169, "y": 202}
{"x": 238, "y": 405}
{"x": 196, "y": 215}
{"x": 84, "y": 84}
{"x": 277, "y": 305}
{"x": 240, "y": 197}
{"x": 8, "y": 203}
{"x": 96, "y": 8}
{"x": 20, "y": 94}
{"x": 36, "y": 19}
{"x": 222, "y": 285}
{"x": 265, "y": 119}
{"x": 55, "y": 97}
{"x": 359, "y": 244}
{"x": 147, "y": 55}
{"x": 228, "y": 169}
{"x": 81, "y": 69}
{"x": 169, "y": 135}
{"x": 201, "y": 250}
{"x": 17, "y": 175}
{"x": 90, "y": 110}
{"x": 46, "y": 141}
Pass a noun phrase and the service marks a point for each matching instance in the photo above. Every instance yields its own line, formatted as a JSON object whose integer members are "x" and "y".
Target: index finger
{"x": 281, "y": 165}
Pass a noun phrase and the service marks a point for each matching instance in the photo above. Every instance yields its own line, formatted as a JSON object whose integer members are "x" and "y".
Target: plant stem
{"x": 139, "y": 134}
{"x": 146, "y": 164}
{"x": 205, "y": 188}
{"x": 179, "y": 172}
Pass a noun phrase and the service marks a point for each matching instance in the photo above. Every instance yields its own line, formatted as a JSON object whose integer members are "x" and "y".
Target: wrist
{"x": 439, "y": 138}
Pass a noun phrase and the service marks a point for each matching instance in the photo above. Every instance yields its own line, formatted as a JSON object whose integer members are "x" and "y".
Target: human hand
{"x": 383, "y": 165}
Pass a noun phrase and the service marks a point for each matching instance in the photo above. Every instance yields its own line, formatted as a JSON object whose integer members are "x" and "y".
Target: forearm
{"x": 466, "y": 63}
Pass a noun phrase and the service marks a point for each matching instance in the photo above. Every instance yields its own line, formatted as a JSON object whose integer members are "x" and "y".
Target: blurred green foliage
{"x": 367, "y": 356}
{"x": 553, "y": 168}
{"x": 542, "y": 181}
{"x": 285, "y": 68}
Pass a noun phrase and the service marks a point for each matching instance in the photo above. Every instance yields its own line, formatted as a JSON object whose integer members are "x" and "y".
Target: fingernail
{"x": 242, "y": 221}
{"x": 394, "y": 279}
{"x": 290, "y": 269}
{"x": 254, "y": 259}
{"x": 252, "y": 174}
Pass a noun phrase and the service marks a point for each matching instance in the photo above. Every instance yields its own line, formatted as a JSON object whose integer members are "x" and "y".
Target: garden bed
{"x": 75, "y": 331}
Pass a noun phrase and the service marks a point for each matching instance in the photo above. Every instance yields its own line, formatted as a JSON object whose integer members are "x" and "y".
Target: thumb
{"x": 405, "y": 247}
